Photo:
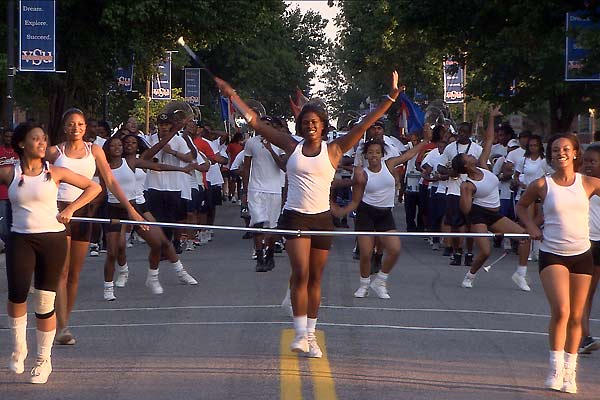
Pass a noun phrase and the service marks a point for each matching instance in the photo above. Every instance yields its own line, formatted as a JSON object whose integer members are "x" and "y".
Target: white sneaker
{"x": 154, "y": 284}
{"x": 569, "y": 385}
{"x": 186, "y": 278}
{"x": 286, "y": 304}
{"x": 468, "y": 281}
{"x": 521, "y": 282}
{"x": 94, "y": 250}
{"x": 555, "y": 379}
{"x": 109, "y": 293}
{"x": 189, "y": 245}
{"x": 314, "y": 351}
{"x": 435, "y": 246}
{"x": 362, "y": 292}
{"x": 122, "y": 278}
{"x": 41, "y": 371}
{"x": 17, "y": 361}
{"x": 300, "y": 344}
{"x": 379, "y": 286}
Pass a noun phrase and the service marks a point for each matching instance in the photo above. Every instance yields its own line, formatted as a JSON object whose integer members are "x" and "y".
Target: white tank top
{"x": 126, "y": 178}
{"x": 566, "y": 214}
{"x": 309, "y": 181}
{"x": 487, "y": 194}
{"x": 34, "y": 207}
{"x": 85, "y": 166}
{"x": 594, "y": 219}
{"x": 380, "y": 188}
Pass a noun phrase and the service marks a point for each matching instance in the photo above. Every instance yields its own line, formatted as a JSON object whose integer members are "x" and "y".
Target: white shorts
{"x": 264, "y": 208}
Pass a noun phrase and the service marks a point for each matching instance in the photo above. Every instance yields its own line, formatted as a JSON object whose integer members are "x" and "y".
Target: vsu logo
{"x": 37, "y": 56}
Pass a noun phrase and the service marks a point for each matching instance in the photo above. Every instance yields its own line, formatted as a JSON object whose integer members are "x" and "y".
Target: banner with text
{"x": 192, "y": 86}
{"x": 453, "y": 82}
{"x": 37, "y": 46}
{"x": 125, "y": 78}
{"x": 575, "y": 54}
{"x": 161, "y": 82}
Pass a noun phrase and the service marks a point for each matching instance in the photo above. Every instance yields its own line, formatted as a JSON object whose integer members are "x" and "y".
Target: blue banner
{"x": 454, "y": 82}
{"x": 192, "y": 86}
{"x": 224, "y": 103}
{"x": 37, "y": 46}
{"x": 575, "y": 54}
{"x": 161, "y": 81}
{"x": 125, "y": 79}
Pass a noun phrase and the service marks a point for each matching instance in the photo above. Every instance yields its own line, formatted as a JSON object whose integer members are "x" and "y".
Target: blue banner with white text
{"x": 192, "y": 86}
{"x": 161, "y": 81}
{"x": 37, "y": 45}
{"x": 454, "y": 82}
{"x": 575, "y": 53}
{"x": 125, "y": 78}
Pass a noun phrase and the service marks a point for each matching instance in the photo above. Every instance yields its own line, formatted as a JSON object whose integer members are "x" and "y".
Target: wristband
{"x": 390, "y": 98}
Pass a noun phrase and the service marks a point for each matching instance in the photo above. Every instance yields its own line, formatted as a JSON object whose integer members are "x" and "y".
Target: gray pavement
{"x": 227, "y": 338}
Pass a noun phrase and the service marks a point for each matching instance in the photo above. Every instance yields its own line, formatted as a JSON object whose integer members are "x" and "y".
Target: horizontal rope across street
{"x": 299, "y": 232}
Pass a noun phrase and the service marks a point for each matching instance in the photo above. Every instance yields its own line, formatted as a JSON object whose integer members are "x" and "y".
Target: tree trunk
{"x": 56, "y": 107}
{"x": 561, "y": 115}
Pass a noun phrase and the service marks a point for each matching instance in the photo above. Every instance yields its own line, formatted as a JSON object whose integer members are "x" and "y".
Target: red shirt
{"x": 7, "y": 157}
{"x": 233, "y": 149}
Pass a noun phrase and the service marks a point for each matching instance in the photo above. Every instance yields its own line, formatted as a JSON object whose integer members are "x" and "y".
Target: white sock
{"x": 18, "y": 329}
{"x": 383, "y": 276}
{"x": 522, "y": 270}
{"x": 300, "y": 324}
{"x": 44, "y": 343}
{"x": 570, "y": 361}
{"x": 311, "y": 326}
{"x": 364, "y": 281}
{"x": 470, "y": 275}
{"x": 124, "y": 267}
{"x": 108, "y": 285}
{"x": 177, "y": 265}
{"x": 557, "y": 359}
{"x": 153, "y": 273}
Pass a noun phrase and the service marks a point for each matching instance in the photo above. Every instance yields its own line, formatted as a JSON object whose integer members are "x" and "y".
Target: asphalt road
{"x": 228, "y": 338}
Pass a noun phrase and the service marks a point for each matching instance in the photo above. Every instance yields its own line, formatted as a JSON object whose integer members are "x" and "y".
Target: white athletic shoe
{"x": 17, "y": 361}
{"x": 379, "y": 286}
{"x": 569, "y": 385}
{"x": 186, "y": 278}
{"x": 555, "y": 379}
{"x": 468, "y": 281}
{"x": 41, "y": 371}
{"x": 361, "y": 292}
{"x": 122, "y": 278}
{"x": 189, "y": 245}
{"x": 154, "y": 284}
{"x": 314, "y": 351}
{"x": 521, "y": 282}
{"x": 94, "y": 250}
{"x": 300, "y": 344}
{"x": 109, "y": 293}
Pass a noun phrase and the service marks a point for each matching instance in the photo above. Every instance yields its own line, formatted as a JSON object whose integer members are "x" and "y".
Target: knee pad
{"x": 44, "y": 303}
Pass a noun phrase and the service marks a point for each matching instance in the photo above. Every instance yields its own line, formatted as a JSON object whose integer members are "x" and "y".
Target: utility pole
{"x": 10, "y": 81}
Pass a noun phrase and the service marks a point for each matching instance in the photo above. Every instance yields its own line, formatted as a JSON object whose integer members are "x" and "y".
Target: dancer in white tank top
{"x": 591, "y": 167}
{"x": 76, "y": 153}
{"x": 310, "y": 170}
{"x": 373, "y": 197}
{"x": 37, "y": 243}
{"x": 124, "y": 172}
{"x": 565, "y": 262}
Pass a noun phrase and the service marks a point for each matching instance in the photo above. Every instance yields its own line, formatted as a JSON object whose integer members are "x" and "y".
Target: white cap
{"x": 513, "y": 143}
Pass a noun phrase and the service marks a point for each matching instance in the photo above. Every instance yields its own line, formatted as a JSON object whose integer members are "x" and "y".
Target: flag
{"x": 224, "y": 102}
{"x": 415, "y": 117}
{"x": 301, "y": 100}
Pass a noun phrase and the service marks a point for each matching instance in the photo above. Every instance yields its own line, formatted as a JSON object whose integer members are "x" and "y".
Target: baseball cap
{"x": 163, "y": 118}
{"x": 513, "y": 143}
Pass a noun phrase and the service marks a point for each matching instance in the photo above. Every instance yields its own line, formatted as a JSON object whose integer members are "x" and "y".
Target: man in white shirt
{"x": 264, "y": 168}
{"x": 454, "y": 216}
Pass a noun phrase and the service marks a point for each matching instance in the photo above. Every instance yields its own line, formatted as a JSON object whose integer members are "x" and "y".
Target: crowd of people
{"x": 316, "y": 179}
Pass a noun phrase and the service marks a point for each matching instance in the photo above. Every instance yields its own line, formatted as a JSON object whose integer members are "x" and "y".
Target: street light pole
{"x": 10, "y": 81}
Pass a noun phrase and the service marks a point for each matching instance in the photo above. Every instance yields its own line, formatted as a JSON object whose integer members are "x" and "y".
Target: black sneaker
{"x": 588, "y": 344}
{"x": 248, "y": 235}
{"x": 376, "y": 263}
{"x": 447, "y": 251}
{"x": 269, "y": 259}
{"x": 468, "y": 259}
{"x": 456, "y": 259}
{"x": 278, "y": 247}
{"x": 261, "y": 265}
{"x": 177, "y": 245}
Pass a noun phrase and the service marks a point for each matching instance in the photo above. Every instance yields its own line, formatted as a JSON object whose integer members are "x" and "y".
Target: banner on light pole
{"x": 161, "y": 81}
{"x": 37, "y": 44}
{"x": 192, "y": 86}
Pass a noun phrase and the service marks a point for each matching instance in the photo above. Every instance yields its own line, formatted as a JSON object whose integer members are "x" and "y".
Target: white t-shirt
{"x": 265, "y": 175}
{"x": 412, "y": 175}
{"x": 515, "y": 155}
{"x": 237, "y": 162}
{"x": 433, "y": 159}
{"x": 169, "y": 181}
{"x": 530, "y": 170}
{"x": 214, "y": 175}
{"x": 504, "y": 187}
{"x": 451, "y": 151}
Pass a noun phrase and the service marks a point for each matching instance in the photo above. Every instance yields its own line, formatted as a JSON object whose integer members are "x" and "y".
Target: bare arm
{"x": 537, "y": 189}
{"x": 467, "y": 189}
{"x": 151, "y": 152}
{"x": 145, "y": 164}
{"x": 90, "y": 190}
{"x": 358, "y": 190}
{"x": 488, "y": 138}
{"x": 280, "y": 160}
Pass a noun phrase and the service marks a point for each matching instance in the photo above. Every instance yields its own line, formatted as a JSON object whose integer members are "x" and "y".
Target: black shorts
{"x": 481, "y": 215}
{"x": 78, "y": 231}
{"x": 579, "y": 264}
{"x": 141, "y": 208}
{"x": 165, "y": 205}
{"x": 373, "y": 219}
{"x": 595, "y": 251}
{"x": 192, "y": 205}
{"x": 454, "y": 216}
{"x": 115, "y": 211}
{"x": 203, "y": 205}
{"x": 216, "y": 194}
{"x": 294, "y": 220}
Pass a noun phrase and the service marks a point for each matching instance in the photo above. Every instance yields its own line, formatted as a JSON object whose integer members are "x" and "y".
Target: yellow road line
{"x": 323, "y": 384}
{"x": 289, "y": 371}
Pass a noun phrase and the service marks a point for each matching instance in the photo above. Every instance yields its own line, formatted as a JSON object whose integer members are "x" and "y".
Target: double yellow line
{"x": 291, "y": 376}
